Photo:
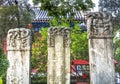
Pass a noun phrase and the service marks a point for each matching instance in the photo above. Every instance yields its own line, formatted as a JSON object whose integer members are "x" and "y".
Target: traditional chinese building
{"x": 41, "y": 18}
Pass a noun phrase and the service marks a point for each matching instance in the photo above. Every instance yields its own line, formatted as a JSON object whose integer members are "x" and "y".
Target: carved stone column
{"x": 100, "y": 34}
{"x": 18, "y": 53}
{"x": 58, "y": 56}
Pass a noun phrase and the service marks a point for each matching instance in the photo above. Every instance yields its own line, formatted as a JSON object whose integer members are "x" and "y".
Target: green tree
{"x": 79, "y": 45}
{"x": 58, "y": 8}
{"x": 116, "y": 41}
{"x": 112, "y": 6}
{"x": 39, "y": 54}
{"x": 39, "y": 51}
{"x": 3, "y": 66}
{"x": 13, "y": 13}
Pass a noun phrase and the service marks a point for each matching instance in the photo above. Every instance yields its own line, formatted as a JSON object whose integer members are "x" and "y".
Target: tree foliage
{"x": 112, "y": 6}
{"x": 59, "y": 8}
{"x": 13, "y": 14}
{"x": 79, "y": 45}
{"x": 39, "y": 51}
{"x": 3, "y": 64}
{"x": 116, "y": 41}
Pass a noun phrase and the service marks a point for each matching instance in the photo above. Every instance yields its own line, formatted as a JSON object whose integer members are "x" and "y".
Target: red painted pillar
{"x": 5, "y": 46}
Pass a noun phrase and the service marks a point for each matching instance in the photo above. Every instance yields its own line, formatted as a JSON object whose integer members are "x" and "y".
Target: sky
{"x": 96, "y": 5}
{"x": 30, "y": 1}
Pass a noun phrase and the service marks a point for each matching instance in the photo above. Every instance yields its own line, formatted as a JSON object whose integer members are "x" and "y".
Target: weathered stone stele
{"x": 18, "y": 53}
{"x": 58, "y": 71}
{"x": 100, "y": 34}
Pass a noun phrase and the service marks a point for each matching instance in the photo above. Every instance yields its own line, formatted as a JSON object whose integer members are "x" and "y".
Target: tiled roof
{"x": 43, "y": 15}
{"x": 40, "y": 14}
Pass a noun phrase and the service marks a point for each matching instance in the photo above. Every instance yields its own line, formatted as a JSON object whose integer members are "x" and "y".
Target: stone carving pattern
{"x": 54, "y": 31}
{"x": 19, "y": 39}
{"x": 99, "y": 24}
{"x": 66, "y": 37}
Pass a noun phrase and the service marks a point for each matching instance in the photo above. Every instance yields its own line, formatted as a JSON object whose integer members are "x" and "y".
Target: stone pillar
{"x": 18, "y": 53}
{"x": 58, "y": 71}
{"x": 100, "y": 34}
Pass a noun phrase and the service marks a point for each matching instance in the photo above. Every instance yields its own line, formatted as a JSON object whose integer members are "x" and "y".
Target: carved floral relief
{"x": 54, "y": 31}
{"x": 19, "y": 39}
{"x": 99, "y": 25}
